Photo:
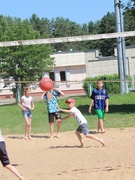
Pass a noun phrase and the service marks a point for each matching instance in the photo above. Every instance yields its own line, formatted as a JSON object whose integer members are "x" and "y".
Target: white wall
{"x": 69, "y": 59}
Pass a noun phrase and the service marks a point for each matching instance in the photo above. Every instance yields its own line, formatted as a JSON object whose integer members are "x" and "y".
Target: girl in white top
{"x": 83, "y": 125}
{"x": 27, "y": 105}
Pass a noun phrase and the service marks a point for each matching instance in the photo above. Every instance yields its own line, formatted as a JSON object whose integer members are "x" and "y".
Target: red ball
{"x": 46, "y": 84}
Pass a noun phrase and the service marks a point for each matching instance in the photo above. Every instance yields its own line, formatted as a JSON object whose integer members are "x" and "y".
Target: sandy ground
{"x": 61, "y": 158}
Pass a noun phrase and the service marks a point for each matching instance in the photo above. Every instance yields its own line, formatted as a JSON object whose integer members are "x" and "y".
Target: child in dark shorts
{"x": 5, "y": 159}
{"x": 51, "y": 100}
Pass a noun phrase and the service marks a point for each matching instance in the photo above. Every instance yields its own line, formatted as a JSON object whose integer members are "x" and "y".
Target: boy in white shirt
{"x": 83, "y": 124}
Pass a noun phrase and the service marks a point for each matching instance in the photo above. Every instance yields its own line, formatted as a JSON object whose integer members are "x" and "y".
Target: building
{"x": 71, "y": 68}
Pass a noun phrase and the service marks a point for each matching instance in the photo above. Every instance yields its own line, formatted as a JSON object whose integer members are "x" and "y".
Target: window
{"x": 51, "y": 75}
{"x": 62, "y": 75}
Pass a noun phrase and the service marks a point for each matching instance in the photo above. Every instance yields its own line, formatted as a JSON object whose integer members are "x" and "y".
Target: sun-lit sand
{"x": 62, "y": 158}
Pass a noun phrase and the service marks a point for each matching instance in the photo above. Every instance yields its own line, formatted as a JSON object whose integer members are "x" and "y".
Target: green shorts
{"x": 100, "y": 113}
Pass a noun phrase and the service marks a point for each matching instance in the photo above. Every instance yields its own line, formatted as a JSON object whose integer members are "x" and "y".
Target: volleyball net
{"x": 71, "y": 68}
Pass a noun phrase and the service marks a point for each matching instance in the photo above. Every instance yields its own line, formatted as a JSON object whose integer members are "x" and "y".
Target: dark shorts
{"x": 83, "y": 128}
{"x": 51, "y": 116}
{"x": 3, "y": 154}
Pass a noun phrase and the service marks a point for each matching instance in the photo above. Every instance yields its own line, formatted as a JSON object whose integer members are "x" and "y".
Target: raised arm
{"x": 42, "y": 97}
{"x": 57, "y": 90}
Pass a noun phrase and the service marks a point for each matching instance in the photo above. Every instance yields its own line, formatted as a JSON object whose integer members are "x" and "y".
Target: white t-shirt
{"x": 26, "y": 101}
{"x": 1, "y": 137}
{"x": 78, "y": 115}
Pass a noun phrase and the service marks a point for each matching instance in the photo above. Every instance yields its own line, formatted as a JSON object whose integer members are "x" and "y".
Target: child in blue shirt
{"x": 99, "y": 98}
{"x": 52, "y": 106}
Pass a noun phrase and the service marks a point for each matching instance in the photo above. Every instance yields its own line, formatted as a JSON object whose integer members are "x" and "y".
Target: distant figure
{"x": 27, "y": 105}
{"x": 5, "y": 160}
{"x": 52, "y": 106}
{"x": 83, "y": 125}
{"x": 99, "y": 98}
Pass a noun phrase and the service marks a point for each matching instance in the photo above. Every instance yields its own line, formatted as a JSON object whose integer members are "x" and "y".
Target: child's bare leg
{"x": 26, "y": 127}
{"x": 95, "y": 138}
{"x": 14, "y": 171}
{"x": 51, "y": 129}
{"x": 58, "y": 127}
{"x": 101, "y": 125}
{"x": 29, "y": 129}
{"x": 79, "y": 137}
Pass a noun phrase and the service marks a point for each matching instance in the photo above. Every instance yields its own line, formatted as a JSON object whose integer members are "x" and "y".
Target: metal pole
{"x": 18, "y": 92}
{"x": 123, "y": 49}
{"x": 119, "y": 46}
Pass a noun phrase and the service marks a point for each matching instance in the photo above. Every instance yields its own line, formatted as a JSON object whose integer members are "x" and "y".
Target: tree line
{"x": 29, "y": 62}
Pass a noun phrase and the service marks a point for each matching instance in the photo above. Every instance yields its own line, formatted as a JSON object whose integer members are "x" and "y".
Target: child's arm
{"x": 64, "y": 110}
{"x": 32, "y": 105}
{"x": 42, "y": 97}
{"x": 66, "y": 117}
{"x": 90, "y": 107}
{"x": 107, "y": 104}
{"x": 59, "y": 91}
{"x": 20, "y": 105}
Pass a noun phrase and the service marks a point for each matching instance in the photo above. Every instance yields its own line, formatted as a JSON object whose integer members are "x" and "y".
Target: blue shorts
{"x": 3, "y": 154}
{"x": 83, "y": 128}
{"x": 27, "y": 113}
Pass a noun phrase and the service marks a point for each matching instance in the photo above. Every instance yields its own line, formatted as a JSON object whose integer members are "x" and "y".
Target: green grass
{"x": 121, "y": 115}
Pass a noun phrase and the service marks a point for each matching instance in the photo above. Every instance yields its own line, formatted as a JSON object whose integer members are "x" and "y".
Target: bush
{"x": 111, "y": 83}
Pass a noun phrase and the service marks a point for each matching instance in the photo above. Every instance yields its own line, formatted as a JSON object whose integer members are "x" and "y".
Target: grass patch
{"x": 121, "y": 115}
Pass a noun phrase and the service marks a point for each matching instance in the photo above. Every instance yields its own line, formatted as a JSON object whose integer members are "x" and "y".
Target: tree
{"x": 24, "y": 62}
{"x": 107, "y": 25}
{"x": 63, "y": 28}
{"x": 43, "y": 26}
{"x": 129, "y": 21}
{"x": 92, "y": 29}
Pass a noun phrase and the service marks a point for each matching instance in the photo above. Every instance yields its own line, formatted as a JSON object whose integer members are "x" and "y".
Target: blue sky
{"x": 75, "y": 10}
